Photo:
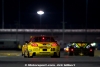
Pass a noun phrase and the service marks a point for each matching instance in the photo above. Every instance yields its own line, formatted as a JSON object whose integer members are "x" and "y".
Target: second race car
{"x": 80, "y": 48}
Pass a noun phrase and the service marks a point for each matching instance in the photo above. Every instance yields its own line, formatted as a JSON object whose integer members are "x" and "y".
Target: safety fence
{"x": 49, "y": 26}
{"x": 51, "y": 30}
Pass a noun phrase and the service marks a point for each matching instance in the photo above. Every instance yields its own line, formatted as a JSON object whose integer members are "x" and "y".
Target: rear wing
{"x": 80, "y": 44}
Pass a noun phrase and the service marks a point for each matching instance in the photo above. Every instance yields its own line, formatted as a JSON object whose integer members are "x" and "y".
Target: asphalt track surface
{"x": 16, "y": 60}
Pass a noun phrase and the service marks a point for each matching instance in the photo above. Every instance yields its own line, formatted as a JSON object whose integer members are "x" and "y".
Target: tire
{"x": 91, "y": 54}
{"x": 34, "y": 54}
{"x": 25, "y": 56}
{"x": 55, "y": 55}
{"x": 29, "y": 55}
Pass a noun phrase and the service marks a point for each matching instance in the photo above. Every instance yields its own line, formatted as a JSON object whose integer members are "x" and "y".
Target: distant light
{"x": 40, "y": 12}
{"x": 93, "y": 44}
{"x": 43, "y": 38}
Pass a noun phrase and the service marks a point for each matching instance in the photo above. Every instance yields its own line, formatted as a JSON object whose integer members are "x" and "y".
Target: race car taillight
{"x": 90, "y": 49}
{"x": 34, "y": 45}
{"x": 54, "y": 44}
{"x": 72, "y": 49}
{"x": 43, "y": 38}
{"x": 67, "y": 49}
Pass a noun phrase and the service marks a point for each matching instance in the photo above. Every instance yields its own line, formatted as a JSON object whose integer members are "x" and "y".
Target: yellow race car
{"x": 41, "y": 46}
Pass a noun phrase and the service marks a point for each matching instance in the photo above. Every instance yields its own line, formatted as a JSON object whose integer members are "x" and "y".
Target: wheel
{"x": 91, "y": 54}
{"x": 34, "y": 54}
{"x": 71, "y": 53}
{"x": 25, "y": 55}
{"x": 55, "y": 55}
{"x": 29, "y": 55}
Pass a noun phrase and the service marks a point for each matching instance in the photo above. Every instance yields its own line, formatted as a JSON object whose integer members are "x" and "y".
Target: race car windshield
{"x": 43, "y": 39}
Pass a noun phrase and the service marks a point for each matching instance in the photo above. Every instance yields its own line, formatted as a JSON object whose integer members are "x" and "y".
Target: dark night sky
{"x": 75, "y": 12}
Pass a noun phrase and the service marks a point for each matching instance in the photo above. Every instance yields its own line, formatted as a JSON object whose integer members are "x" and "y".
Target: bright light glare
{"x": 93, "y": 44}
{"x": 40, "y": 12}
{"x": 88, "y": 46}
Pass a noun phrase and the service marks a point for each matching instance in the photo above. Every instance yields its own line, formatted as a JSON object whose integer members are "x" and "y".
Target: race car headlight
{"x": 93, "y": 44}
{"x": 66, "y": 49}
